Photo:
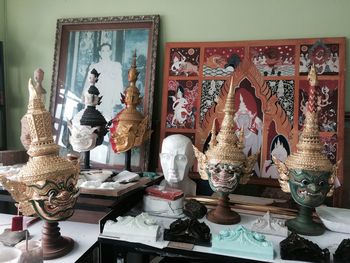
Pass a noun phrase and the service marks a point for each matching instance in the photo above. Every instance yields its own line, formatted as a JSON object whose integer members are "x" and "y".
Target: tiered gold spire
{"x": 130, "y": 127}
{"x": 309, "y": 154}
{"x": 226, "y": 147}
{"x": 45, "y": 162}
{"x": 38, "y": 119}
{"x": 132, "y": 96}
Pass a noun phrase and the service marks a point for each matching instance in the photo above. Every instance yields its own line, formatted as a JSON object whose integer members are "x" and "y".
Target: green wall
{"x": 31, "y": 25}
{"x": 2, "y": 20}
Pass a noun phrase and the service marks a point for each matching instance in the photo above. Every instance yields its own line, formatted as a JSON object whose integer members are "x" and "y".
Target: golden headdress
{"x": 309, "y": 154}
{"x": 132, "y": 97}
{"x": 44, "y": 163}
{"x": 226, "y": 147}
{"x": 39, "y": 123}
{"x": 130, "y": 127}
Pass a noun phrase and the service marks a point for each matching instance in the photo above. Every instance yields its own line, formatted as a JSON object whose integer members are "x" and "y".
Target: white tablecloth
{"x": 329, "y": 239}
{"x": 84, "y": 235}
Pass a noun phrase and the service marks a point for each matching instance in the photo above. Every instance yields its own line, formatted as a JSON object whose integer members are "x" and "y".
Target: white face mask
{"x": 176, "y": 157}
{"x": 83, "y": 138}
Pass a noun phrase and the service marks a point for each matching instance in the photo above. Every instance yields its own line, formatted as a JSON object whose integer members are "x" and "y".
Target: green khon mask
{"x": 309, "y": 188}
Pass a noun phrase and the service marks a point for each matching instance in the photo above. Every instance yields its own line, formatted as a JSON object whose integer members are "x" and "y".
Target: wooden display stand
{"x": 54, "y": 245}
{"x": 223, "y": 214}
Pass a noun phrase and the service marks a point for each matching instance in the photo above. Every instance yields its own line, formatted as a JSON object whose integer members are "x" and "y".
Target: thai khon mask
{"x": 46, "y": 185}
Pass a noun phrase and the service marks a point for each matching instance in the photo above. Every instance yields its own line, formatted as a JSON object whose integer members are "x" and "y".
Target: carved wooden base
{"x": 222, "y": 214}
{"x": 54, "y": 245}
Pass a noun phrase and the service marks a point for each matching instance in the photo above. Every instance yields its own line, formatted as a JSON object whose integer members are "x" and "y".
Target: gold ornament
{"x": 130, "y": 128}
{"x": 46, "y": 184}
{"x": 226, "y": 147}
{"x": 225, "y": 164}
{"x": 309, "y": 154}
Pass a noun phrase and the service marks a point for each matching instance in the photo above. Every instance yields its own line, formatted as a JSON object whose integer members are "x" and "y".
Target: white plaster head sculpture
{"x": 176, "y": 157}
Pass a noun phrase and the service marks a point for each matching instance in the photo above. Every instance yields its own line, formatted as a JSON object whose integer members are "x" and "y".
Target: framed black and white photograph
{"x": 106, "y": 44}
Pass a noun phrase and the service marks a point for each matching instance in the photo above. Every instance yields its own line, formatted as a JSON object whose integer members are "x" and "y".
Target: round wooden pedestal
{"x": 54, "y": 245}
{"x": 222, "y": 214}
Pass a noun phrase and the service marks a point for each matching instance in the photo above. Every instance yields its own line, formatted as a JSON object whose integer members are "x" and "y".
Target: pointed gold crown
{"x": 44, "y": 162}
{"x": 309, "y": 154}
{"x": 130, "y": 126}
{"x": 226, "y": 147}
{"x": 39, "y": 123}
{"x": 132, "y": 96}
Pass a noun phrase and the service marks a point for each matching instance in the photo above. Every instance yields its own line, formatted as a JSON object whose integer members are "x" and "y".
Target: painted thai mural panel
{"x": 271, "y": 92}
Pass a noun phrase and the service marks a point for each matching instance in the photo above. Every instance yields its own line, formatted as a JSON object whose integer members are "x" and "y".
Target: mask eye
{"x": 305, "y": 182}
{"x": 217, "y": 170}
{"x": 70, "y": 188}
{"x": 52, "y": 192}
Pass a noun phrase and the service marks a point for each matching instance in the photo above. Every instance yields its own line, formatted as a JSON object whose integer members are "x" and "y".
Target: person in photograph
{"x": 110, "y": 81}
